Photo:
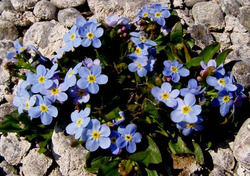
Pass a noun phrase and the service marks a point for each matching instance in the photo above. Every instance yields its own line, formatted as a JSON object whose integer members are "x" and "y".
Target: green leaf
{"x": 209, "y": 52}
{"x": 198, "y": 153}
{"x": 150, "y": 107}
{"x": 159, "y": 48}
{"x": 110, "y": 168}
{"x": 93, "y": 163}
{"x": 151, "y": 155}
{"x": 176, "y": 34}
{"x": 186, "y": 52}
{"x": 179, "y": 147}
{"x": 194, "y": 62}
{"x": 113, "y": 114}
{"x": 222, "y": 57}
{"x": 151, "y": 172}
{"x": 42, "y": 150}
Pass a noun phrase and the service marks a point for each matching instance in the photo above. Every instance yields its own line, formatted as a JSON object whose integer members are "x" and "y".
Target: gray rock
{"x": 68, "y": 16}
{"x": 186, "y": 17}
{"x": 127, "y": 8}
{"x": 240, "y": 171}
{"x": 5, "y": 109}
{"x": 218, "y": 171}
{"x": 31, "y": 17}
{"x": 8, "y": 31}
{"x": 15, "y": 18}
{"x": 241, "y": 147}
{"x": 55, "y": 172}
{"x": 201, "y": 35}
{"x": 191, "y": 3}
{"x": 68, "y": 3}
{"x": 223, "y": 39}
{"x": 223, "y": 157}
{"x": 178, "y": 3}
{"x": 230, "y": 7}
{"x": 244, "y": 17}
{"x": 45, "y": 10}
{"x": 70, "y": 159}
{"x": 7, "y": 168}
{"x": 6, "y": 46}
{"x": 46, "y": 36}
{"x": 233, "y": 25}
{"x": 209, "y": 14}
{"x": 23, "y": 5}
{"x": 5, "y": 5}
{"x": 244, "y": 2}
{"x": 35, "y": 164}
{"x": 13, "y": 148}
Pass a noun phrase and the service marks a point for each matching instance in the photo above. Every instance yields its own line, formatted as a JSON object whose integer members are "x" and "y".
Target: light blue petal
{"x": 175, "y": 77}
{"x": 142, "y": 72}
{"x": 95, "y": 124}
{"x": 68, "y": 46}
{"x": 66, "y": 37}
{"x": 132, "y": 67}
{"x": 102, "y": 79}
{"x": 183, "y": 72}
{"x": 52, "y": 110}
{"x": 92, "y": 145}
{"x": 105, "y": 130}
{"x": 86, "y": 42}
{"x": 120, "y": 142}
{"x": 104, "y": 142}
{"x": 131, "y": 147}
{"x": 77, "y": 42}
{"x": 224, "y": 109}
{"x": 99, "y": 32}
{"x": 184, "y": 91}
{"x": 62, "y": 97}
{"x": 171, "y": 102}
{"x": 96, "y": 43}
{"x": 156, "y": 92}
{"x": 174, "y": 93}
{"x": 35, "y": 112}
{"x": 212, "y": 81}
{"x": 41, "y": 70}
{"x": 71, "y": 128}
{"x": 85, "y": 112}
{"x": 82, "y": 83}
{"x": 190, "y": 118}
{"x": 93, "y": 88}
{"x": 166, "y": 87}
{"x": 74, "y": 116}
{"x": 96, "y": 70}
{"x": 176, "y": 116}
{"x": 230, "y": 87}
{"x": 130, "y": 129}
{"x": 84, "y": 72}
{"x": 46, "y": 118}
{"x": 187, "y": 131}
{"x": 78, "y": 133}
{"x": 196, "y": 109}
{"x": 189, "y": 99}
{"x": 137, "y": 137}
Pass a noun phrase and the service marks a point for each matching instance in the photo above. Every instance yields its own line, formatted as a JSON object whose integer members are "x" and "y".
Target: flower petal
{"x": 102, "y": 79}
{"x": 93, "y": 88}
{"x": 189, "y": 99}
{"x": 92, "y": 145}
{"x": 104, "y": 142}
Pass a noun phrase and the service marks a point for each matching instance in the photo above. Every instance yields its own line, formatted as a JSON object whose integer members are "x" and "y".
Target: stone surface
{"x": 68, "y": 16}
{"x": 241, "y": 147}
{"x": 15, "y": 18}
{"x": 201, "y": 35}
{"x": 56, "y": 172}
{"x": 5, "y": 5}
{"x": 46, "y": 36}
{"x": 7, "y": 168}
{"x": 68, "y": 3}
{"x": 45, "y": 10}
{"x": 13, "y": 148}
{"x": 35, "y": 164}
{"x": 244, "y": 17}
{"x": 5, "y": 109}
{"x": 8, "y": 31}
{"x": 191, "y": 3}
{"x": 178, "y": 3}
{"x": 71, "y": 160}
{"x": 186, "y": 17}
{"x": 223, "y": 39}
{"x": 127, "y": 8}
{"x": 23, "y": 5}
{"x": 233, "y": 24}
{"x": 209, "y": 14}
{"x": 230, "y": 7}
{"x": 31, "y": 17}
{"x": 244, "y": 2}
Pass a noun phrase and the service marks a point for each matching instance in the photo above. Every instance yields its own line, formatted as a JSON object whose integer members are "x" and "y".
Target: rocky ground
{"x": 43, "y": 24}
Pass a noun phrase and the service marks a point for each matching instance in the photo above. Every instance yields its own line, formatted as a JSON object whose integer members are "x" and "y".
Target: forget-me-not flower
{"x": 175, "y": 70}
{"x": 139, "y": 39}
{"x": 186, "y": 110}
{"x": 19, "y": 48}
{"x": 165, "y": 94}
{"x": 220, "y": 83}
{"x": 72, "y": 39}
{"x": 114, "y": 148}
{"x": 88, "y": 62}
{"x": 96, "y": 135}
{"x": 187, "y": 128}
{"x": 44, "y": 110}
{"x": 91, "y": 78}
{"x": 128, "y": 137}
{"x": 138, "y": 66}
{"x": 119, "y": 119}
{"x": 23, "y": 100}
{"x": 79, "y": 121}
{"x": 70, "y": 78}
{"x": 159, "y": 13}
{"x": 79, "y": 95}
{"x": 141, "y": 51}
{"x": 193, "y": 88}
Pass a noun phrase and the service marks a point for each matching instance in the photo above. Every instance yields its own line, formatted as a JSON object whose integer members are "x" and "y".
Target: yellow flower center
{"x": 185, "y": 109}
{"x": 23, "y": 48}
{"x": 138, "y": 50}
{"x": 128, "y": 137}
{"x": 54, "y": 91}
{"x": 27, "y": 105}
{"x": 191, "y": 125}
{"x": 79, "y": 122}
{"x": 81, "y": 92}
{"x": 145, "y": 14}
{"x": 44, "y": 108}
{"x": 226, "y": 99}
{"x": 113, "y": 140}
{"x": 41, "y": 79}
{"x": 221, "y": 82}
{"x": 174, "y": 69}
{"x": 158, "y": 14}
{"x": 96, "y": 135}
{"x": 139, "y": 65}
{"x": 73, "y": 36}
{"x": 90, "y": 35}
{"x": 143, "y": 39}
{"x": 120, "y": 118}
{"x": 91, "y": 78}
{"x": 70, "y": 73}
{"x": 165, "y": 96}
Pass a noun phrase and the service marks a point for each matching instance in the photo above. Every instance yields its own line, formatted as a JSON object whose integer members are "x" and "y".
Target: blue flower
{"x": 96, "y": 136}
{"x": 19, "y": 49}
{"x": 138, "y": 66}
{"x": 225, "y": 101}
{"x": 141, "y": 51}
{"x": 58, "y": 55}
{"x": 70, "y": 78}
{"x": 129, "y": 137}
{"x": 112, "y": 20}
{"x": 221, "y": 83}
{"x": 120, "y": 119}
{"x": 88, "y": 62}
{"x": 144, "y": 12}
{"x": 80, "y": 21}
{"x": 150, "y": 63}
{"x": 56, "y": 92}
{"x": 211, "y": 63}
{"x": 79, "y": 95}
{"x": 90, "y": 34}
{"x": 186, "y": 110}
{"x": 187, "y": 128}
{"x": 193, "y": 88}
{"x": 139, "y": 39}
{"x": 91, "y": 78}
{"x": 159, "y": 13}
{"x": 79, "y": 121}
{"x": 165, "y": 94}
{"x": 175, "y": 70}
{"x": 72, "y": 39}
{"x": 23, "y": 100}
{"x": 44, "y": 110}
{"x": 42, "y": 79}
{"x": 114, "y": 148}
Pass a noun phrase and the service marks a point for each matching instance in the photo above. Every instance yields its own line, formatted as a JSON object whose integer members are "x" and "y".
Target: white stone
{"x": 178, "y": 3}
{"x": 23, "y": 5}
{"x": 45, "y": 10}
{"x": 15, "y": 18}
{"x": 68, "y": 3}
{"x": 8, "y": 31}
{"x": 68, "y": 16}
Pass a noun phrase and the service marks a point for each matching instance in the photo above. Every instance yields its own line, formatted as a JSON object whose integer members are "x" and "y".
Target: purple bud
{"x": 169, "y": 79}
{"x": 124, "y": 34}
{"x": 119, "y": 31}
{"x": 123, "y": 28}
